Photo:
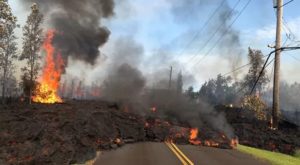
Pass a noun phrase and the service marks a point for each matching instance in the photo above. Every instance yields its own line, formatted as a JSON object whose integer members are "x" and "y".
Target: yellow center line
{"x": 182, "y": 154}
{"x": 178, "y": 156}
{"x": 184, "y": 160}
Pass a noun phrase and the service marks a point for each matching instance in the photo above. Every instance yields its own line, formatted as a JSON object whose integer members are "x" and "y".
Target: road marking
{"x": 184, "y": 160}
{"x": 182, "y": 154}
{"x": 174, "y": 151}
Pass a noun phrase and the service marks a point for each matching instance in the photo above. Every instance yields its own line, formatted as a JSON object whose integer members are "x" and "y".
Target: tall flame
{"x": 46, "y": 91}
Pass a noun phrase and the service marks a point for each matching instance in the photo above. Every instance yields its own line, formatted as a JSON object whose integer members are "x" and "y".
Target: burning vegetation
{"x": 49, "y": 82}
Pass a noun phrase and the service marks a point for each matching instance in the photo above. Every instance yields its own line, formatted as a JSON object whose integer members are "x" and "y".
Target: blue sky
{"x": 162, "y": 26}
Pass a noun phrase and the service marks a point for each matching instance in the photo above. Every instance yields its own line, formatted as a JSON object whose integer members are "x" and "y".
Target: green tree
{"x": 6, "y": 17}
{"x": 8, "y": 49}
{"x": 222, "y": 89}
{"x": 256, "y": 60}
{"x": 207, "y": 92}
{"x": 32, "y": 41}
{"x": 191, "y": 94}
{"x": 218, "y": 91}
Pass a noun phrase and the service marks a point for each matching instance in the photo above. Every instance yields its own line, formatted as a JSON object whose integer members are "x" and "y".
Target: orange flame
{"x": 211, "y": 143}
{"x": 46, "y": 91}
{"x": 193, "y": 136}
{"x": 234, "y": 142}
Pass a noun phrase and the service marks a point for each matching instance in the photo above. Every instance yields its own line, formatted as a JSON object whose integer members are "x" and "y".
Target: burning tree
{"x": 32, "y": 41}
{"x": 47, "y": 89}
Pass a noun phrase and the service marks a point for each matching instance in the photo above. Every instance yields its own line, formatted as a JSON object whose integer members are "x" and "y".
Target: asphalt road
{"x": 160, "y": 154}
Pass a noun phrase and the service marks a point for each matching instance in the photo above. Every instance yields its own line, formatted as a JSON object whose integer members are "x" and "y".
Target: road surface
{"x": 149, "y": 153}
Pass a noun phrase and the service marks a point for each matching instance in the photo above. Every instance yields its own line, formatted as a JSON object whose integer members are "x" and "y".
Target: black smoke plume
{"x": 78, "y": 23}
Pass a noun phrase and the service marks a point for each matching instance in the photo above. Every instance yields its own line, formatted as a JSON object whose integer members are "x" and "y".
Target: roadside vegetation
{"x": 273, "y": 157}
{"x": 297, "y": 154}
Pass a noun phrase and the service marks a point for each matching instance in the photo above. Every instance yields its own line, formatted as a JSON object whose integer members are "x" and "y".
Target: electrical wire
{"x": 221, "y": 37}
{"x": 215, "y": 32}
{"x": 202, "y": 28}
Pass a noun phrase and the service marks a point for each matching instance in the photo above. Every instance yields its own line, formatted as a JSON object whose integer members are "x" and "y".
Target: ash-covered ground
{"x": 72, "y": 132}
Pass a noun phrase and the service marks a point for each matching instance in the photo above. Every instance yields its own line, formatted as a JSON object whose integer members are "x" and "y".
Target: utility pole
{"x": 170, "y": 79}
{"x": 276, "y": 105}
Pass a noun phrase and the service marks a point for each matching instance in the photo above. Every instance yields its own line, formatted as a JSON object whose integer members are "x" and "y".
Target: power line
{"x": 289, "y": 33}
{"x": 239, "y": 68}
{"x": 294, "y": 57}
{"x": 286, "y": 26}
{"x": 202, "y": 28}
{"x": 284, "y": 4}
{"x": 216, "y": 31}
{"x": 287, "y": 3}
{"x": 221, "y": 37}
{"x": 265, "y": 64}
{"x": 261, "y": 72}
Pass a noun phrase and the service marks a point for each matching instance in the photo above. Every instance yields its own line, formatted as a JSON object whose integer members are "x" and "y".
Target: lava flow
{"x": 46, "y": 90}
{"x": 193, "y": 136}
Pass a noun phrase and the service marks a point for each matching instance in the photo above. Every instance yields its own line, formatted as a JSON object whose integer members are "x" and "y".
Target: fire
{"x": 46, "y": 91}
{"x": 211, "y": 143}
{"x": 153, "y": 109}
{"x": 234, "y": 142}
{"x": 193, "y": 136}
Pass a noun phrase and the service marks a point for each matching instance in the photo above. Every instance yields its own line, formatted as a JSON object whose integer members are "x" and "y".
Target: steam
{"x": 78, "y": 24}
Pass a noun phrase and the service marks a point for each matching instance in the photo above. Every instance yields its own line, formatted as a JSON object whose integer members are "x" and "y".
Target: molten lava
{"x": 47, "y": 89}
{"x": 193, "y": 136}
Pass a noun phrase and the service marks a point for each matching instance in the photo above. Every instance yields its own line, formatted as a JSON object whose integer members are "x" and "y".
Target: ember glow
{"x": 46, "y": 91}
{"x": 193, "y": 136}
{"x": 153, "y": 109}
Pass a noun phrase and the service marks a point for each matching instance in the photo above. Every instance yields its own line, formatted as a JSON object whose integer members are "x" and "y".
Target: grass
{"x": 273, "y": 157}
{"x": 297, "y": 154}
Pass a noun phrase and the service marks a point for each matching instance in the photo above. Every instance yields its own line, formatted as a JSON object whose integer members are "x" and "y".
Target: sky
{"x": 165, "y": 29}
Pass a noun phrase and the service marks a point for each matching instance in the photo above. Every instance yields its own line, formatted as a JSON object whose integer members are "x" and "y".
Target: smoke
{"x": 289, "y": 101}
{"x": 190, "y": 11}
{"x": 124, "y": 81}
{"x": 124, "y": 84}
{"x": 230, "y": 46}
{"x": 127, "y": 77}
{"x": 126, "y": 50}
{"x": 78, "y": 24}
{"x": 178, "y": 108}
